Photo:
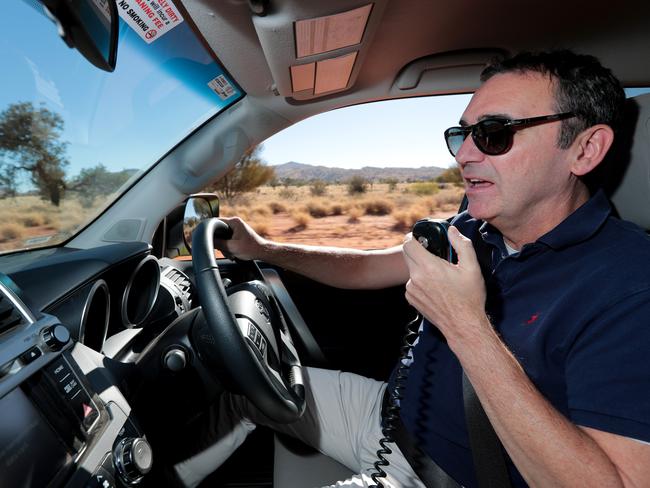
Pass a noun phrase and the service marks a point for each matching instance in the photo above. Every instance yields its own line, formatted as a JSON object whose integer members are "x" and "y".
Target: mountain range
{"x": 307, "y": 172}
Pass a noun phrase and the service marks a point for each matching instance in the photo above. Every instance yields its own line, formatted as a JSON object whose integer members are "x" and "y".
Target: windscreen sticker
{"x": 222, "y": 87}
{"x": 151, "y": 19}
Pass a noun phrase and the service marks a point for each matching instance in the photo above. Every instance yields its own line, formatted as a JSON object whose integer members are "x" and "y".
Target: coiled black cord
{"x": 391, "y": 416}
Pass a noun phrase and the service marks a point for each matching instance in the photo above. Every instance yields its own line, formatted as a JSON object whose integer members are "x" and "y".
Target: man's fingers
{"x": 463, "y": 247}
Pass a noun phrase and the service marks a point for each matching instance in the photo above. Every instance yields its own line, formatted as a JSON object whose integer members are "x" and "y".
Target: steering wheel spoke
{"x": 251, "y": 342}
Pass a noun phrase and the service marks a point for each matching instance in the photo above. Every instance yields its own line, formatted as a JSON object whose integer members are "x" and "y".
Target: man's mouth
{"x": 477, "y": 182}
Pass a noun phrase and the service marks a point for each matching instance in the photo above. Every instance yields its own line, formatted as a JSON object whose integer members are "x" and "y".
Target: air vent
{"x": 10, "y": 317}
{"x": 181, "y": 281}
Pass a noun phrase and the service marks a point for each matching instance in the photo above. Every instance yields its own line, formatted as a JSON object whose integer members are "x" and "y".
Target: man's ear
{"x": 590, "y": 148}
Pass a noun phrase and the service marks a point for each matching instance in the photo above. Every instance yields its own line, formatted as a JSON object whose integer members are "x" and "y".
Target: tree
{"x": 450, "y": 175}
{"x": 249, "y": 173}
{"x": 29, "y": 142}
{"x": 97, "y": 181}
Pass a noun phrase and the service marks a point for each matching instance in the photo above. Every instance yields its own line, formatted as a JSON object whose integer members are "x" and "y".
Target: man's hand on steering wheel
{"x": 245, "y": 243}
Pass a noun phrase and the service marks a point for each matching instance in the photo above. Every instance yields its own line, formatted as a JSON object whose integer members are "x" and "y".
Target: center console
{"x": 62, "y": 421}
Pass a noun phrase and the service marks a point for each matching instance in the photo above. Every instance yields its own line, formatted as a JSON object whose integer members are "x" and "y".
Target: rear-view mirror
{"x": 90, "y": 26}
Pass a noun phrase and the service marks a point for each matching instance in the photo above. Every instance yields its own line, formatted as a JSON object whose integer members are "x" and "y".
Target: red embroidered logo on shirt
{"x": 532, "y": 318}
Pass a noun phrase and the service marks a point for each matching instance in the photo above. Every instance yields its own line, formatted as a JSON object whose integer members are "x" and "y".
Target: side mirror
{"x": 198, "y": 207}
{"x": 90, "y": 26}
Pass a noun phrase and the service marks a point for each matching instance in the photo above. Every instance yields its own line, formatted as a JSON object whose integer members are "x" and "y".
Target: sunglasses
{"x": 494, "y": 135}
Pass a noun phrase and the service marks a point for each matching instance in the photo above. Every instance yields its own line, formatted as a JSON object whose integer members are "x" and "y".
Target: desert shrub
{"x": 316, "y": 209}
{"x": 354, "y": 213}
{"x": 450, "y": 175}
{"x": 11, "y": 231}
{"x": 301, "y": 219}
{"x": 337, "y": 209}
{"x": 318, "y": 188}
{"x": 32, "y": 219}
{"x": 404, "y": 220}
{"x": 422, "y": 188}
{"x": 448, "y": 196}
{"x": 357, "y": 184}
{"x": 378, "y": 206}
{"x": 392, "y": 184}
{"x": 287, "y": 193}
{"x": 277, "y": 207}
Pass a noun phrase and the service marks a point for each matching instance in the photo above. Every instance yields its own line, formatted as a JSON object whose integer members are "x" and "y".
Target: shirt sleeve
{"x": 608, "y": 370}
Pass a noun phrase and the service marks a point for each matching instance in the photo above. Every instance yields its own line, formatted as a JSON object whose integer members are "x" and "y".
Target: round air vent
{"x": 95, "y": 316}
{"x": 141, "y": 292}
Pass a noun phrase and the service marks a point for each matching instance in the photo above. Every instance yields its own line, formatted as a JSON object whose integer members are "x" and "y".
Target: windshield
{"x": 73, "y": 137}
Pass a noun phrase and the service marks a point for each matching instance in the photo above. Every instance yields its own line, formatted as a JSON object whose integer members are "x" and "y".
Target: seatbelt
{"x": 487, "y": 451}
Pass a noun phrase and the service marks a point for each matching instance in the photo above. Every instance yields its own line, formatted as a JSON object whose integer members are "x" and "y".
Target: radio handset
{"x": 432, "y": 234}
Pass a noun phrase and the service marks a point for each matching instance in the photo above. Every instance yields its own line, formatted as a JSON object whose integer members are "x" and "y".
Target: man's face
{"x": 532, "y": 180}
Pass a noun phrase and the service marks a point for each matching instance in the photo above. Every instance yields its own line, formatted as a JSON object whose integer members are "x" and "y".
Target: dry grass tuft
{"x": 378, "y": 206}
{"x": 405, "y": 220}
{"x": 277, "y": 207}
{"x": 317, "y": 209}
{"x": 301, "y": 220}
{"x": 32, "y": 219}
{"x": 287, "y": 194}
{"x": 354, "y": 215}
{"x": 11, "y": 231}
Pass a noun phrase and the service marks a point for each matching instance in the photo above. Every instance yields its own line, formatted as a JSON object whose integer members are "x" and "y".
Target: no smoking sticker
{"x": 151, "y": 19}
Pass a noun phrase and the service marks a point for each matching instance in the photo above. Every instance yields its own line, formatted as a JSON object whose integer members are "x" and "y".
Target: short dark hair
{"x": 583, "y": 86}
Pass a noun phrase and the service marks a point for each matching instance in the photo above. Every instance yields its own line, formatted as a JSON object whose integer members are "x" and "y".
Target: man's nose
{"x": 468, "y": 152}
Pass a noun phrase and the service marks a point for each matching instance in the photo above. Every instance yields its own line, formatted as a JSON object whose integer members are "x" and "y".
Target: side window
{"x": 354, "y": 177}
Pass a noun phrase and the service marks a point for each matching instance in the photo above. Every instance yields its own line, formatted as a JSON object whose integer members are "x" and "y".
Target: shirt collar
{"x": 577, "y": 227}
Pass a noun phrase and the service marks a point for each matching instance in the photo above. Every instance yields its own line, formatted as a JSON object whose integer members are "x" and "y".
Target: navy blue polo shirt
{"x": 574, "y": 309}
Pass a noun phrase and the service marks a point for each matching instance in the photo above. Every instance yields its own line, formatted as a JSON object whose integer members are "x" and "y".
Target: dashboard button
{"x": 30, "y": 355}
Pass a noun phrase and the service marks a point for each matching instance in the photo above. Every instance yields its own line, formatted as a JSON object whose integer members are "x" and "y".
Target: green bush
{"x": 357, "y": 184}
{"x": 423, "y": 188}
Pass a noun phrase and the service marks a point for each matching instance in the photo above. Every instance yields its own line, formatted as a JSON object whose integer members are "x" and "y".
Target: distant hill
{"x": 307, "y": 172}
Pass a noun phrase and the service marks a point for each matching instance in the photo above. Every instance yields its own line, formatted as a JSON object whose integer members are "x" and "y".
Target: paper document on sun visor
{"x": 151, "y": 19}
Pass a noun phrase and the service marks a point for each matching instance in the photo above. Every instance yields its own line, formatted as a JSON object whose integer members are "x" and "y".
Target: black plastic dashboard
{"x": 65, "y": 419}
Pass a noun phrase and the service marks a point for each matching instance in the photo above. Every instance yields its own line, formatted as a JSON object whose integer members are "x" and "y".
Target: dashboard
{"x": 71, "y": 322}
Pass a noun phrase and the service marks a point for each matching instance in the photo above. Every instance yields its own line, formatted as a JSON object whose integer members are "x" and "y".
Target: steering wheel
{"x": 254, "y": 346}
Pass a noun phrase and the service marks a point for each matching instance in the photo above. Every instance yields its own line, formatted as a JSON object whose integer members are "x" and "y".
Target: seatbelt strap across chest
{"x": 487, "y": 451}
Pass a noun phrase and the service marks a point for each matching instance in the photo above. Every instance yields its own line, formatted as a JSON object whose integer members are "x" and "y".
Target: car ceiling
{"x": 258, "y": 51}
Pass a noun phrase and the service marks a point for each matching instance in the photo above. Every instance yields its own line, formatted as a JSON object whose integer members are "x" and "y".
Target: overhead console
{"x": 62, "y": 422}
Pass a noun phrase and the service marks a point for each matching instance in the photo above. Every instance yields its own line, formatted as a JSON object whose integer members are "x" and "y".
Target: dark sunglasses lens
{"x": 492, "y": 137}
{"x": 455, "y": 137}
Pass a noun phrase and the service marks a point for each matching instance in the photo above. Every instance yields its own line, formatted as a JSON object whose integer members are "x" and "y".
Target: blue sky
{"x": 405, "y": 133}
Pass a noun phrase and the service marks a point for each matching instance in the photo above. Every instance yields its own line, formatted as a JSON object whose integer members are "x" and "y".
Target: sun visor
{"x": 312, "y": 56}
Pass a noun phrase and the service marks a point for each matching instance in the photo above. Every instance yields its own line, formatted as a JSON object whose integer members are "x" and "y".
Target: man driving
{"x": 545, "y": 311}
